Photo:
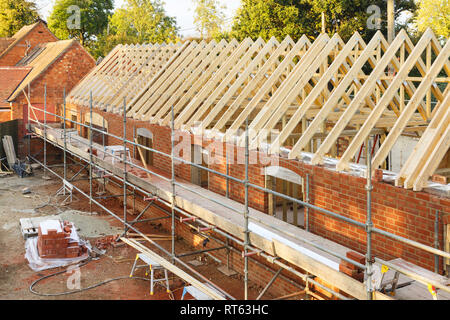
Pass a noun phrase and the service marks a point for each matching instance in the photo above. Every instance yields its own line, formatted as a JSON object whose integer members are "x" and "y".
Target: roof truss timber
{"x": 309, "y": 94}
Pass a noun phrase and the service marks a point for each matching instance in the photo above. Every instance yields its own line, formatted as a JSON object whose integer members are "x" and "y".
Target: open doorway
{"x": 287, "y": 182}
{"x": 199, "y": 176}
{"x": 145, "y": 138}
{"x": 99, "y": 123}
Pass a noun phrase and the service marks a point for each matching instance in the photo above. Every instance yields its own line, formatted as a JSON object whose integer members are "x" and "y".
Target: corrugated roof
{"x": 10, "y": 79}
{"x": 52, "y": 51}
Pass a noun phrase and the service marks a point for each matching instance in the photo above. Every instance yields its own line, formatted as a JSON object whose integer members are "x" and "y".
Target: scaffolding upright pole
{"x": 28, "y": 121}
{"x": 246, "y": 217}
{"x": 436, "y": 241}
{"x": 173, "y": 182}
{"x": 125, "y": 165}
{"x": 90, "y": 152}
{"x": 45, "y": 131}
{"x": 369, "y": 224}
{"x": 307, "y": 201}
{"x": 65, "y": 137}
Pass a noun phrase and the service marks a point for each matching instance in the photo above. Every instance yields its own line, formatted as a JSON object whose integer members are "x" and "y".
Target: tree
{"x": 267, "y": 18}
{"x": 14, "y": 14}
{"x": 209, "y": 17}
{"x": 434, "y": 14}
{"x": 139, "y": 21}
{"x": 84, "y": 20}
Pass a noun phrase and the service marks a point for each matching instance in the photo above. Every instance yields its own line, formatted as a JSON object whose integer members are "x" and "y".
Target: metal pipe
{"x": 429, "y": 249}
{"x": 28, "y": 122}
{"x": 90, "y": 152}
{"x": 65, "y": 138}
{"x": 436, "y": 241}
{"x": 172, "y": 153}
{"x": 414, "y": 276}
{"x": 125, "y": 200}
{"x": 269, "y": 284}
{"x": 307, "y": 201}
{"x": 199, "y": 252}
{"x": 238, "y": 211}
{"x": 140, "y": 233}
{"x": 228, "y": 173}
{"x": 45, "y": 129}
{"x": 369, "y": 223}
{"x": 246, "y": 214}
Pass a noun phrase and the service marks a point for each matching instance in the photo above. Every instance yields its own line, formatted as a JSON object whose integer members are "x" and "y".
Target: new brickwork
{"x": 403, "y": 212}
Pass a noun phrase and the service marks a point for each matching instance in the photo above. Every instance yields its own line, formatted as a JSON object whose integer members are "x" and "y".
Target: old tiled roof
{"x": 5, "y": 43}
{"x": 40, "y": 62}
{"x": 18, "y": 37}
{"x": 10, "y": 79}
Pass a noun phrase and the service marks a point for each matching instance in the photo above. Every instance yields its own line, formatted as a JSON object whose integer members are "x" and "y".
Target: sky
{"x": 182, "y": 10}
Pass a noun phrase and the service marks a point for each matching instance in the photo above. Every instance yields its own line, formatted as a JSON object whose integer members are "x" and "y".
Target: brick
{"x": 439, "y": 179}
{"x": 347, "y": 271}
{"x": 356, "y": 257}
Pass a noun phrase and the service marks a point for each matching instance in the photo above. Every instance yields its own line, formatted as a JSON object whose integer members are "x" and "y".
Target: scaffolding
{"x": 179, "y": 214}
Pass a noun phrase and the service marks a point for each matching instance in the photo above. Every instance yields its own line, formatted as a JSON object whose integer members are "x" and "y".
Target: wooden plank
{"x": 297, "y": 52}
{"x": 376, "y": 113}
{"x": 307, "y": 102}
{"x": 172, "y": 268}
{"x": 338, "y": 279}
{"x": 157, "y": 93}
{"x": 260, "y": 76}
{"x": 195, "y": 79}
{"x": 280, "y": 107}
{"x": 286, "y": 87}
{"x": 184, "y": 115}
{"x": 359, "y": 97}
{"x": 241, "y": 78}
{"x": 331, "y": 103}
{"x": 184, "y": 79}
{"x": 214, "y": 64}
{"x": 408, "y": 111}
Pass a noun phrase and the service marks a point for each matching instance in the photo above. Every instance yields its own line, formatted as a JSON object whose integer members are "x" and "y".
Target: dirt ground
{"x": 16, "y": 276}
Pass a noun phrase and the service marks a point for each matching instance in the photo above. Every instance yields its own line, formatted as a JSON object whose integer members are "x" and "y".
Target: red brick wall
{"x": 39, "y": 34}
{"x": 397, "y": 210}
{"x": 5, "y": 115}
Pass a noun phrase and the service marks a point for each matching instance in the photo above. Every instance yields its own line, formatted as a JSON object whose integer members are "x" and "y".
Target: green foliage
{"x": 14, "y": 14}
{"x": 209, "y": 17}
{"x": 93, "y": 18}
{"x": 267, "y": 18}
{"x": 434, "y": 14}
{"x": 139, "y": 21}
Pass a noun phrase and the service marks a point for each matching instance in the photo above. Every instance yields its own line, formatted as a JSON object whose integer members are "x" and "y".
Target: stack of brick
{"x": 55, "y": 242}
{"x": 350, "y": 269}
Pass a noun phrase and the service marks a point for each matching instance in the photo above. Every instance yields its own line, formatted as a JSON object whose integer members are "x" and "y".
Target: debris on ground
{"x": 104, "y": 242}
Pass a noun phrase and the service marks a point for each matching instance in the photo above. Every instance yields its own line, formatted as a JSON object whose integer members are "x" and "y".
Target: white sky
{"x": 182, "y": 10}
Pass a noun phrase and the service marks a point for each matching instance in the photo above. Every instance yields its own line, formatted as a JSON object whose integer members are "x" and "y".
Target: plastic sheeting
{"x": 36, "y": 263}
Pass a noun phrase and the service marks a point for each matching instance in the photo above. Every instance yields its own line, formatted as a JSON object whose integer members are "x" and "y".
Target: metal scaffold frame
{"x": 248, "y": 248}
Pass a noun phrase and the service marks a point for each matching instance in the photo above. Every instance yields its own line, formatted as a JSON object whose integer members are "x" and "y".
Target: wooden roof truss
{"x": 301, "y": 96}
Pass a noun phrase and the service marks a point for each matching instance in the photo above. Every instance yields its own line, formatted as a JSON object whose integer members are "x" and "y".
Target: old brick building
{"x": 13, "y": 49}
{"x": 45, "y": 64}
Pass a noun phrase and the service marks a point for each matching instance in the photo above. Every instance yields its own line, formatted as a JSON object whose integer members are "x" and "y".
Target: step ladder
{"x": 153, "y": 266}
